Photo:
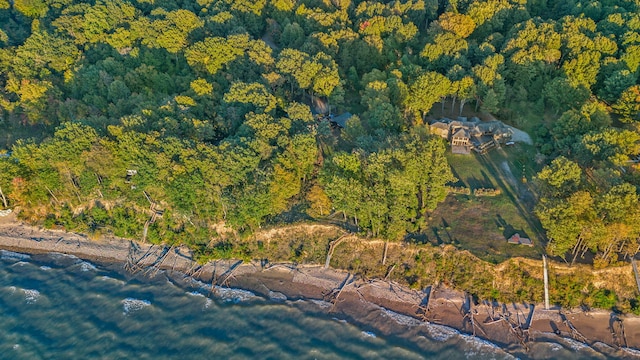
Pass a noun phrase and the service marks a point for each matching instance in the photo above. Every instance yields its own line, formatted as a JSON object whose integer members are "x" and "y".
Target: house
{"x": 460, "y": 138}
{"x": 340, "y": 120}
{"x": 464, "y": 135}
{"x": 440, "y": 129}
{"x": 460, "y": 142}
{"x": 483, "y": 143}
{"x": 518, "y": 240}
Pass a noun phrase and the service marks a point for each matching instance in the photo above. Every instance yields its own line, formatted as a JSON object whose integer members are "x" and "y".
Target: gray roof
{"x": 341, "y": 120}
{"x": 440, "y": 125}
{"x": 462, "y": 133}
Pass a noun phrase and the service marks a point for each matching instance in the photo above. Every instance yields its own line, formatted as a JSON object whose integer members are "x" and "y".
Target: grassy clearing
{"x": 483, "y": 224}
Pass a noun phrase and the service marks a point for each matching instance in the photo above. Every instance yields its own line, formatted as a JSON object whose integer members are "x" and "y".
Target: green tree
{"x": 561, "y": 96}
{"x": 561, "y": 178}
{"x": 426, "y": 91}
{"x": 460, "y": 24}
{"x": 254, "y": 93}
{"x": 31, "y": 8}
{"x": 628, "y": 105}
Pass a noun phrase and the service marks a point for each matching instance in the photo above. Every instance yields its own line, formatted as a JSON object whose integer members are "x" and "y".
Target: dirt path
{"x": 508, "y": 175}
{"x": 520, "y": 136}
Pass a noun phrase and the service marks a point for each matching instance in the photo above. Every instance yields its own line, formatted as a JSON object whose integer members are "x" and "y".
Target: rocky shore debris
{"x": 345, "y": 293}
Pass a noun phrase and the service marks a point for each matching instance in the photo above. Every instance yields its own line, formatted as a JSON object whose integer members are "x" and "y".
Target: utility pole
{"x": 546, "y": 282}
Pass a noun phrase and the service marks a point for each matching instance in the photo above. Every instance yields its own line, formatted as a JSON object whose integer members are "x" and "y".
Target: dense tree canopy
{"x": 205, "y": 109}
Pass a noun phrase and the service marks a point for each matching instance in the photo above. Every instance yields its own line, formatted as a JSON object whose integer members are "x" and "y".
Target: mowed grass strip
{"x": 483, "y": 224}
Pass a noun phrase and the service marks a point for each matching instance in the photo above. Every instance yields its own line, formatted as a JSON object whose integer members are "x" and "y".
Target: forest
{"x": 157, "y": 120}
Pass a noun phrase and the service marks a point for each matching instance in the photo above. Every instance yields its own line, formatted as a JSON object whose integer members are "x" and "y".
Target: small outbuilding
{"x": 519, "y": 240}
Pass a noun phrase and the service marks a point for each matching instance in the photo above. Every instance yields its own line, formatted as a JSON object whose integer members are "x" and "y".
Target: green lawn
{"x": 483, "y": 224}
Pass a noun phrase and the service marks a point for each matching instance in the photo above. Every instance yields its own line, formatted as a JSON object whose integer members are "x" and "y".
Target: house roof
{"x": 462, "y": 133}
{"x": 341, "y": 120}
{"x": 514, "y": 239}
{"x": 440, "y": 125}
{"x": 517, "y": 239}
{"x": 526, "y": 241}
{"x": 456, "y": 123}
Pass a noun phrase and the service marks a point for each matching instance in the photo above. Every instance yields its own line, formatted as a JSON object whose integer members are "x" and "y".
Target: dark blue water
{"x": 60, "y": 307}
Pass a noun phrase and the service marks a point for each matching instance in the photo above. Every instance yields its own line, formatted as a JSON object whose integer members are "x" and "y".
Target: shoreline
{"x": 363, "y": 302}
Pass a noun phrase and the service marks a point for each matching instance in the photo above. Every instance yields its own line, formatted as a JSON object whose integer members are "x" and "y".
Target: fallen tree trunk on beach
{"x": 332, "y": 247}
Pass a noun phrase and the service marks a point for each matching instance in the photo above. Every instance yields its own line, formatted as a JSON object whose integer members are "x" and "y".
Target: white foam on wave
{"x": 31, "y": 295}
{"x": 574, "y": 344}
{"x": 87, "y": 266}
{"x": 45, "y": 268}
{"x": 57, "y": 256}
{"x": 277, "y": 296}
{"x": 10, "y": 255}
{"x": 369, "y": 334}
{"x": 553, "y": 346}
{"x": 12, "y": 289}
{"x": 130, "y": 305}
{"x": 440, "y": 332}
{"x": 632, "y": 351}
{"x": 207, "y": 303}
{"x": 20, "y": 263}
{"x": 600, "y": 346}
{"x": 109, "y": 278}
{"x": 199, "y": 284}
{"x": 234, "y": 295}
{"x": 485, "y": 349}
{"x": 321, "y": 303}
{"x": 402, "y": 319}
{"x": 196, "y": 293}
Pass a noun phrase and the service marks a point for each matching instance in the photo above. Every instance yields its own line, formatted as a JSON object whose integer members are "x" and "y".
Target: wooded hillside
{"x": 159, "y": 119}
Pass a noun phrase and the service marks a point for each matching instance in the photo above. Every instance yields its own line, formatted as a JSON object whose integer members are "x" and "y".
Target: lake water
{"x": 59, "y": 307}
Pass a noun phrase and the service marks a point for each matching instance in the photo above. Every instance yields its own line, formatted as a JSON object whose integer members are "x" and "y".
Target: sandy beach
{"x": 518, "y": 328}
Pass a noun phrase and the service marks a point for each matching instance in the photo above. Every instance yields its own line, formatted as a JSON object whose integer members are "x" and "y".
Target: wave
{"x": 20, "y": 263}
{"x": 225, "y": 294}
{"x": 574, "y": 344}
{"x": 631, "y": 351}
{"x": 436, "y": 332}
{"x": 45, "y": 268}
{"x": 31, "y": 295}
{"x": 111, "y": 279}
{"x": 131, "y": 305}
{"x": 234, "y": 295}
{"x": 57, "y": 256}
{"x": 321, "y": 303}
{"x": 195, "y": 293}
{"x": 483, "y": 349}
{"x": 10, "y": 255}
{"x": 277, "y": 296}
{"x": 207, "y": 304}
{"x": 402, "y": 319}
{"x": 440, "y": 332}
{"x": 86, "y": 266}
{"x": 342, "y": 321}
